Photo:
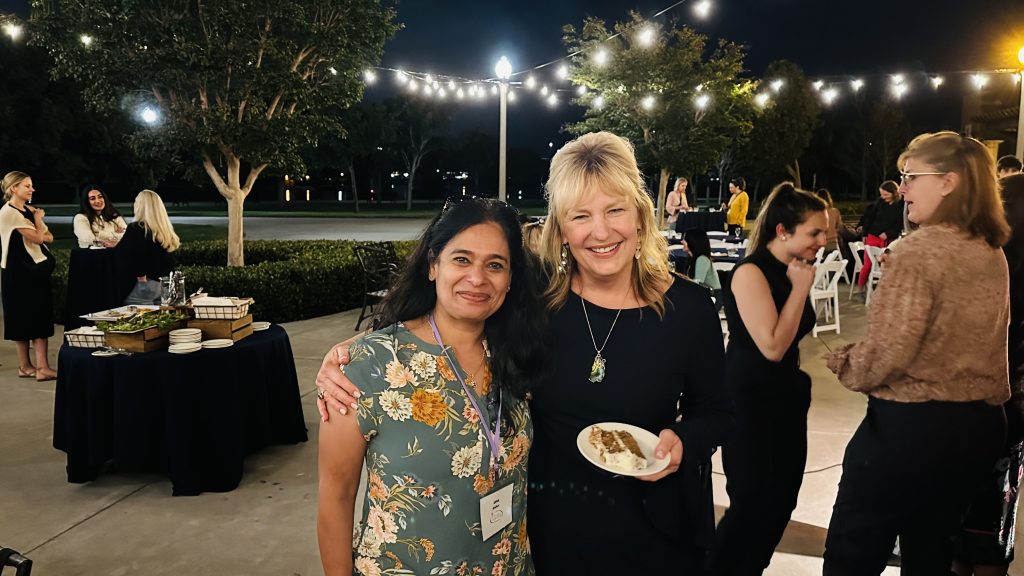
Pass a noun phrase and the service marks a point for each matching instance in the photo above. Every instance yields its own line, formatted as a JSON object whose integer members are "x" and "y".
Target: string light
{"x": 460, "y": 94}
{"x": 856, "y": 84}
{"x": 563, "y": 72}
{"x": 13, "y": 30}
{"x": 646, "y": 37}
{"x": 936, "y": 81}
{"x": 702, "y": 101}
{"x": 818, "y": 84}
{"x": 777, "y": 84}
{"x": 829, "y": 96}
{"x": 647, "y": 102}
{"x": 581, "y": 90}
{"x": 86, "y": 40}
{"x": 761, "y": 99}
{"x": 553, "y": 100}
{"x": 979, "y": 80}
{"x": 899, "y": 90}
{"x": 401, "y": 77}
{"x": 531, "y": 82}
{"x": 511, "y": 96}
{"x": 370, "y": 76}
{"x": 599, "y": 102}
{"x": 544, "y": 90}
{"x": 897, "y": 79}
{"x": 601, "y": 57}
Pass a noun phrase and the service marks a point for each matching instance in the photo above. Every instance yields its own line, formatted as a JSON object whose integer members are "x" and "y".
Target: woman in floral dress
{"x": 442, "y": 423}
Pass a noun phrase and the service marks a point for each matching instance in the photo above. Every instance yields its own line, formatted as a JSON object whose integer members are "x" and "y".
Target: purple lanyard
{"x": 493, "y": 439}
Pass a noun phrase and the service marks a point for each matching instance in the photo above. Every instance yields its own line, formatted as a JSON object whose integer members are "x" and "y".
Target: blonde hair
{"x": 974, "y": 205}
{"x": 12, "y": 179}
{"x": 606, "y": 162}
{"x": 151, "y": 213}
{"x": 533, "y": 234}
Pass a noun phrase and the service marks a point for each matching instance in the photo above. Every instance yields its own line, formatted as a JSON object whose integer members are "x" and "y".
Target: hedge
{"x": 289, "y": 279}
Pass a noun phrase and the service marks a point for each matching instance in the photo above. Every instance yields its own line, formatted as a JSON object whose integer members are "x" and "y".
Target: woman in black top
{"x": 25, "y": 279}
{"x": 144, "y": 252}
{"x": 768, "y": 311}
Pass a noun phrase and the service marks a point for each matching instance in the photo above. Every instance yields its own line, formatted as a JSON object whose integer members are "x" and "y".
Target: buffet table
{"x": 192, "y": 416}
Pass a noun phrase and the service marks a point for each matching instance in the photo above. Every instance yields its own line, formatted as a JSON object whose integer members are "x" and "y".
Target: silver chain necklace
{"x": 597, "y": 368}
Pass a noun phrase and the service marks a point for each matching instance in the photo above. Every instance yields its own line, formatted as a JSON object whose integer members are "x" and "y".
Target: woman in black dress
{"x": 144, "y": 253}
{"x": 768, "y": 311}
{"x": 26, "y": 267}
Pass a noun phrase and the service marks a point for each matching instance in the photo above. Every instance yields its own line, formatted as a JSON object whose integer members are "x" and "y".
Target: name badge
{"x": 495, "y": 511}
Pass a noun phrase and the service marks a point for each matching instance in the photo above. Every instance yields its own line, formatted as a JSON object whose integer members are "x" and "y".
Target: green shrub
{"x": 289, "y": 279}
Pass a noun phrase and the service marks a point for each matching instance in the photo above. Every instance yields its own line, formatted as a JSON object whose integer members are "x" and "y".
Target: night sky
{"x": 869, "y": 38}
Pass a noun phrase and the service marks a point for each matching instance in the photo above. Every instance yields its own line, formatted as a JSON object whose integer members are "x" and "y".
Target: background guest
{"x": 768, "y": 311}
{"x": 532, "y": 232}
{"x": 933, "y": 364}
{"x": 701, "y": 267}
{"x": 984, "y": 545}
{"x": 98, "y": 223}
{"x": 881, "y": 223}
{"x": 145, "y": 249}
{"x": 1008, "y": 165}
{"x": 835, "y": 220}
{"x": 25, "y": 278}
{"x": 676, "y": 202}
{"x": 739, "y": 203}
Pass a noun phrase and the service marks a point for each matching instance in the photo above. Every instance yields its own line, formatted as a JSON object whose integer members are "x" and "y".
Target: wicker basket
{"x": 239, "y": 310}
{"x": 77, "y": 340}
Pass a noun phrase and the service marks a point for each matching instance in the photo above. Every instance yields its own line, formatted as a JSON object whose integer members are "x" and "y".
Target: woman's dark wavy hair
{"x": 739, "y": 182}
{"x": 515, "y": 332}
{"x": 109, "y": 213}
{"x": 699, "y": 245}
{"x": 786, "y": 205}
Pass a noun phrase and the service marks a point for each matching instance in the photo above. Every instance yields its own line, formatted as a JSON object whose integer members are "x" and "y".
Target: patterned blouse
{"x": 428, "y": 465}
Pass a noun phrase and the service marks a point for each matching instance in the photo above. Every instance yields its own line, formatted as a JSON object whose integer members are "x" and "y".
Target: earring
{"x": 636, "y": 255}
{"x": 563, "y": 265}
{"x": 509, "y": 289}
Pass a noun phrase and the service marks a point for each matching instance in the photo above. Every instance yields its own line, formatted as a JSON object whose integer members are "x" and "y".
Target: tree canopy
{"x": 234, "y": 87}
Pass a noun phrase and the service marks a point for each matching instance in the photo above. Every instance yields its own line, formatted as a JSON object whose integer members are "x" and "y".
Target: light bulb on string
{"x": 511, "y": 96}
{"x": 818, "y": 84}
{"x": 441, "y": 93}
{"x": 856, "y": 84}
{"x": 451, "y": 85}
{"x": 599, "y": 102}
{"x": 897, "y": 79}
{"x": 776, "y": 84}
{"x": 581, "y": 90}
{"x": 401, "y": 77}
{"x": 85, "y": 39}
{"x": 563, "y": 72}
{"x": 979, "y": 80}
{"x": 702, "y": 101}
{"x": 494, "y": 90}
{"x": 937, "y": 81}
{"x": 601, "y": 57}
{"x": 647, "y": 102}
{"x": 544, "y": 90}
{"x": 899, "y": 90}
{"x": 829, "y": 95}
{"x": 761, "y": 99}
{"x": 429, "y": 78}
{"x": 13, "y": 30}
{"x": 369, "y": 75}
{"x": 531, "y": 82}
{"x": 553, "y": 100}
{"x": 459, "y": 94}
{"x": 413, "y": 85}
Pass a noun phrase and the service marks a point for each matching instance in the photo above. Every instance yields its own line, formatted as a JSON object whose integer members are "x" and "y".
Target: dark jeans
{"x": 909, "y": 470}
{"x": 764, "y": 466}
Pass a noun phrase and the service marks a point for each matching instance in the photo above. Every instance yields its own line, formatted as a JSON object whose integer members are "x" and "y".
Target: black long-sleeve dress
{"x": 583, "y": 520}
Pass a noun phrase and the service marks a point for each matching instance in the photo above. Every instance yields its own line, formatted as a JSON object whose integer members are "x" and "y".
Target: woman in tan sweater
{"x": 934, "y": 367}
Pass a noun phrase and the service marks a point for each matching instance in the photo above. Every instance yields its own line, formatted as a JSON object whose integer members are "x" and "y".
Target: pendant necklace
{"x": 597, "y": 368}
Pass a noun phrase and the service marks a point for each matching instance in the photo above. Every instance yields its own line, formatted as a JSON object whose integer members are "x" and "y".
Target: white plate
{"x": 185, "y": 332}
{"x": 188, "y": 351}
{"x": 218, "y": 343}
{"x": 257, "y": 326}
{"x": 647, "y": 442}
{"x": 104, "y": 353}
{"x": 184, "y": 347}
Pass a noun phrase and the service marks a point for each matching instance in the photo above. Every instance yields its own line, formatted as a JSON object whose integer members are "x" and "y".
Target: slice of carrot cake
{"x": 617, "y": 449}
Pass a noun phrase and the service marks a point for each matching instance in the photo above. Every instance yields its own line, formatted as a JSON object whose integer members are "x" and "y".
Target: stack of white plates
{"x": 218, "y": 343}
{"x": 257, "y": 326}
{"x": 184, "y": 348}
{"x": 186, "y": 336}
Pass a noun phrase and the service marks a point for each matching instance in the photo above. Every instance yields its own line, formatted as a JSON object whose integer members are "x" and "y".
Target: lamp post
{"x": 1020, "y": 111}
{"x": 503, "y": 69}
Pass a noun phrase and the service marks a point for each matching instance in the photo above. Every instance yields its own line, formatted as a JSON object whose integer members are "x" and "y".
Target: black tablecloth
{"x": 191, "y": 416}
{"x": 681, "y": 260}
{"x": 711, "y": 221}
{"x": 94, "y": 284}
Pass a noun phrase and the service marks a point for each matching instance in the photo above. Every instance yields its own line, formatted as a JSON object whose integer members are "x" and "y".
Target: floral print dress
{"x": 428, "y": 465}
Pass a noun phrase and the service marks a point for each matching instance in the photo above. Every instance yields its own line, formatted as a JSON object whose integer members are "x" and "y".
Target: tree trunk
{"x": 412, "y": 175}
{"x": 355, "y": 191}
{"x": 236, "y": 250}
{"x": 793, "y": 169}
{"x": 662, "y": 188}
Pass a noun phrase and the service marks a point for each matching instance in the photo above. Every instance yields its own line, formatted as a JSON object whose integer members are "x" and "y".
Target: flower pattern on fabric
{"x": 428, "y": 465}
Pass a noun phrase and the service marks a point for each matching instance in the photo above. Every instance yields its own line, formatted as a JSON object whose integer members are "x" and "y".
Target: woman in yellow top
{"x": 739, "y": 202}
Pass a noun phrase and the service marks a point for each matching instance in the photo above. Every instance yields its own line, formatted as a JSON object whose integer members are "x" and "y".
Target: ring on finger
{"x": 320, "y": 393}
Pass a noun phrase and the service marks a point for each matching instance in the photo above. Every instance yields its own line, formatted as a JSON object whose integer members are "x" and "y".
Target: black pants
{"x": 909, "y": 470}
{"x": 764, "y": 466}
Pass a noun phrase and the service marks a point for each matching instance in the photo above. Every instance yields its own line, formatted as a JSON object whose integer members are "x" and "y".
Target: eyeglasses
{"x": 907, "y": 177}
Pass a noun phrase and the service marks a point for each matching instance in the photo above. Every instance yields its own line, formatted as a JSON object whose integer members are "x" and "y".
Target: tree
{"x": 660, "y": 89}
{"x": 239, "y": 86}
{"x": 420, "y": 123}
{"x": 783, "y": 131}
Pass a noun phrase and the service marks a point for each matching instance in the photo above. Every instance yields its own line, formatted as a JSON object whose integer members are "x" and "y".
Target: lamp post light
{"x": 503, "y": 69}
{"x": 1020, "y": 111}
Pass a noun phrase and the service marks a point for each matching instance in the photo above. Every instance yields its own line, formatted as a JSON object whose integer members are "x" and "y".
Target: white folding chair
{"x": 818, "y": 255}
{"x": 855, "y": 248}
{"x": 874, "y": 255}
{"x": 826, "y": 291}
{"x": 821, "y": 281}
